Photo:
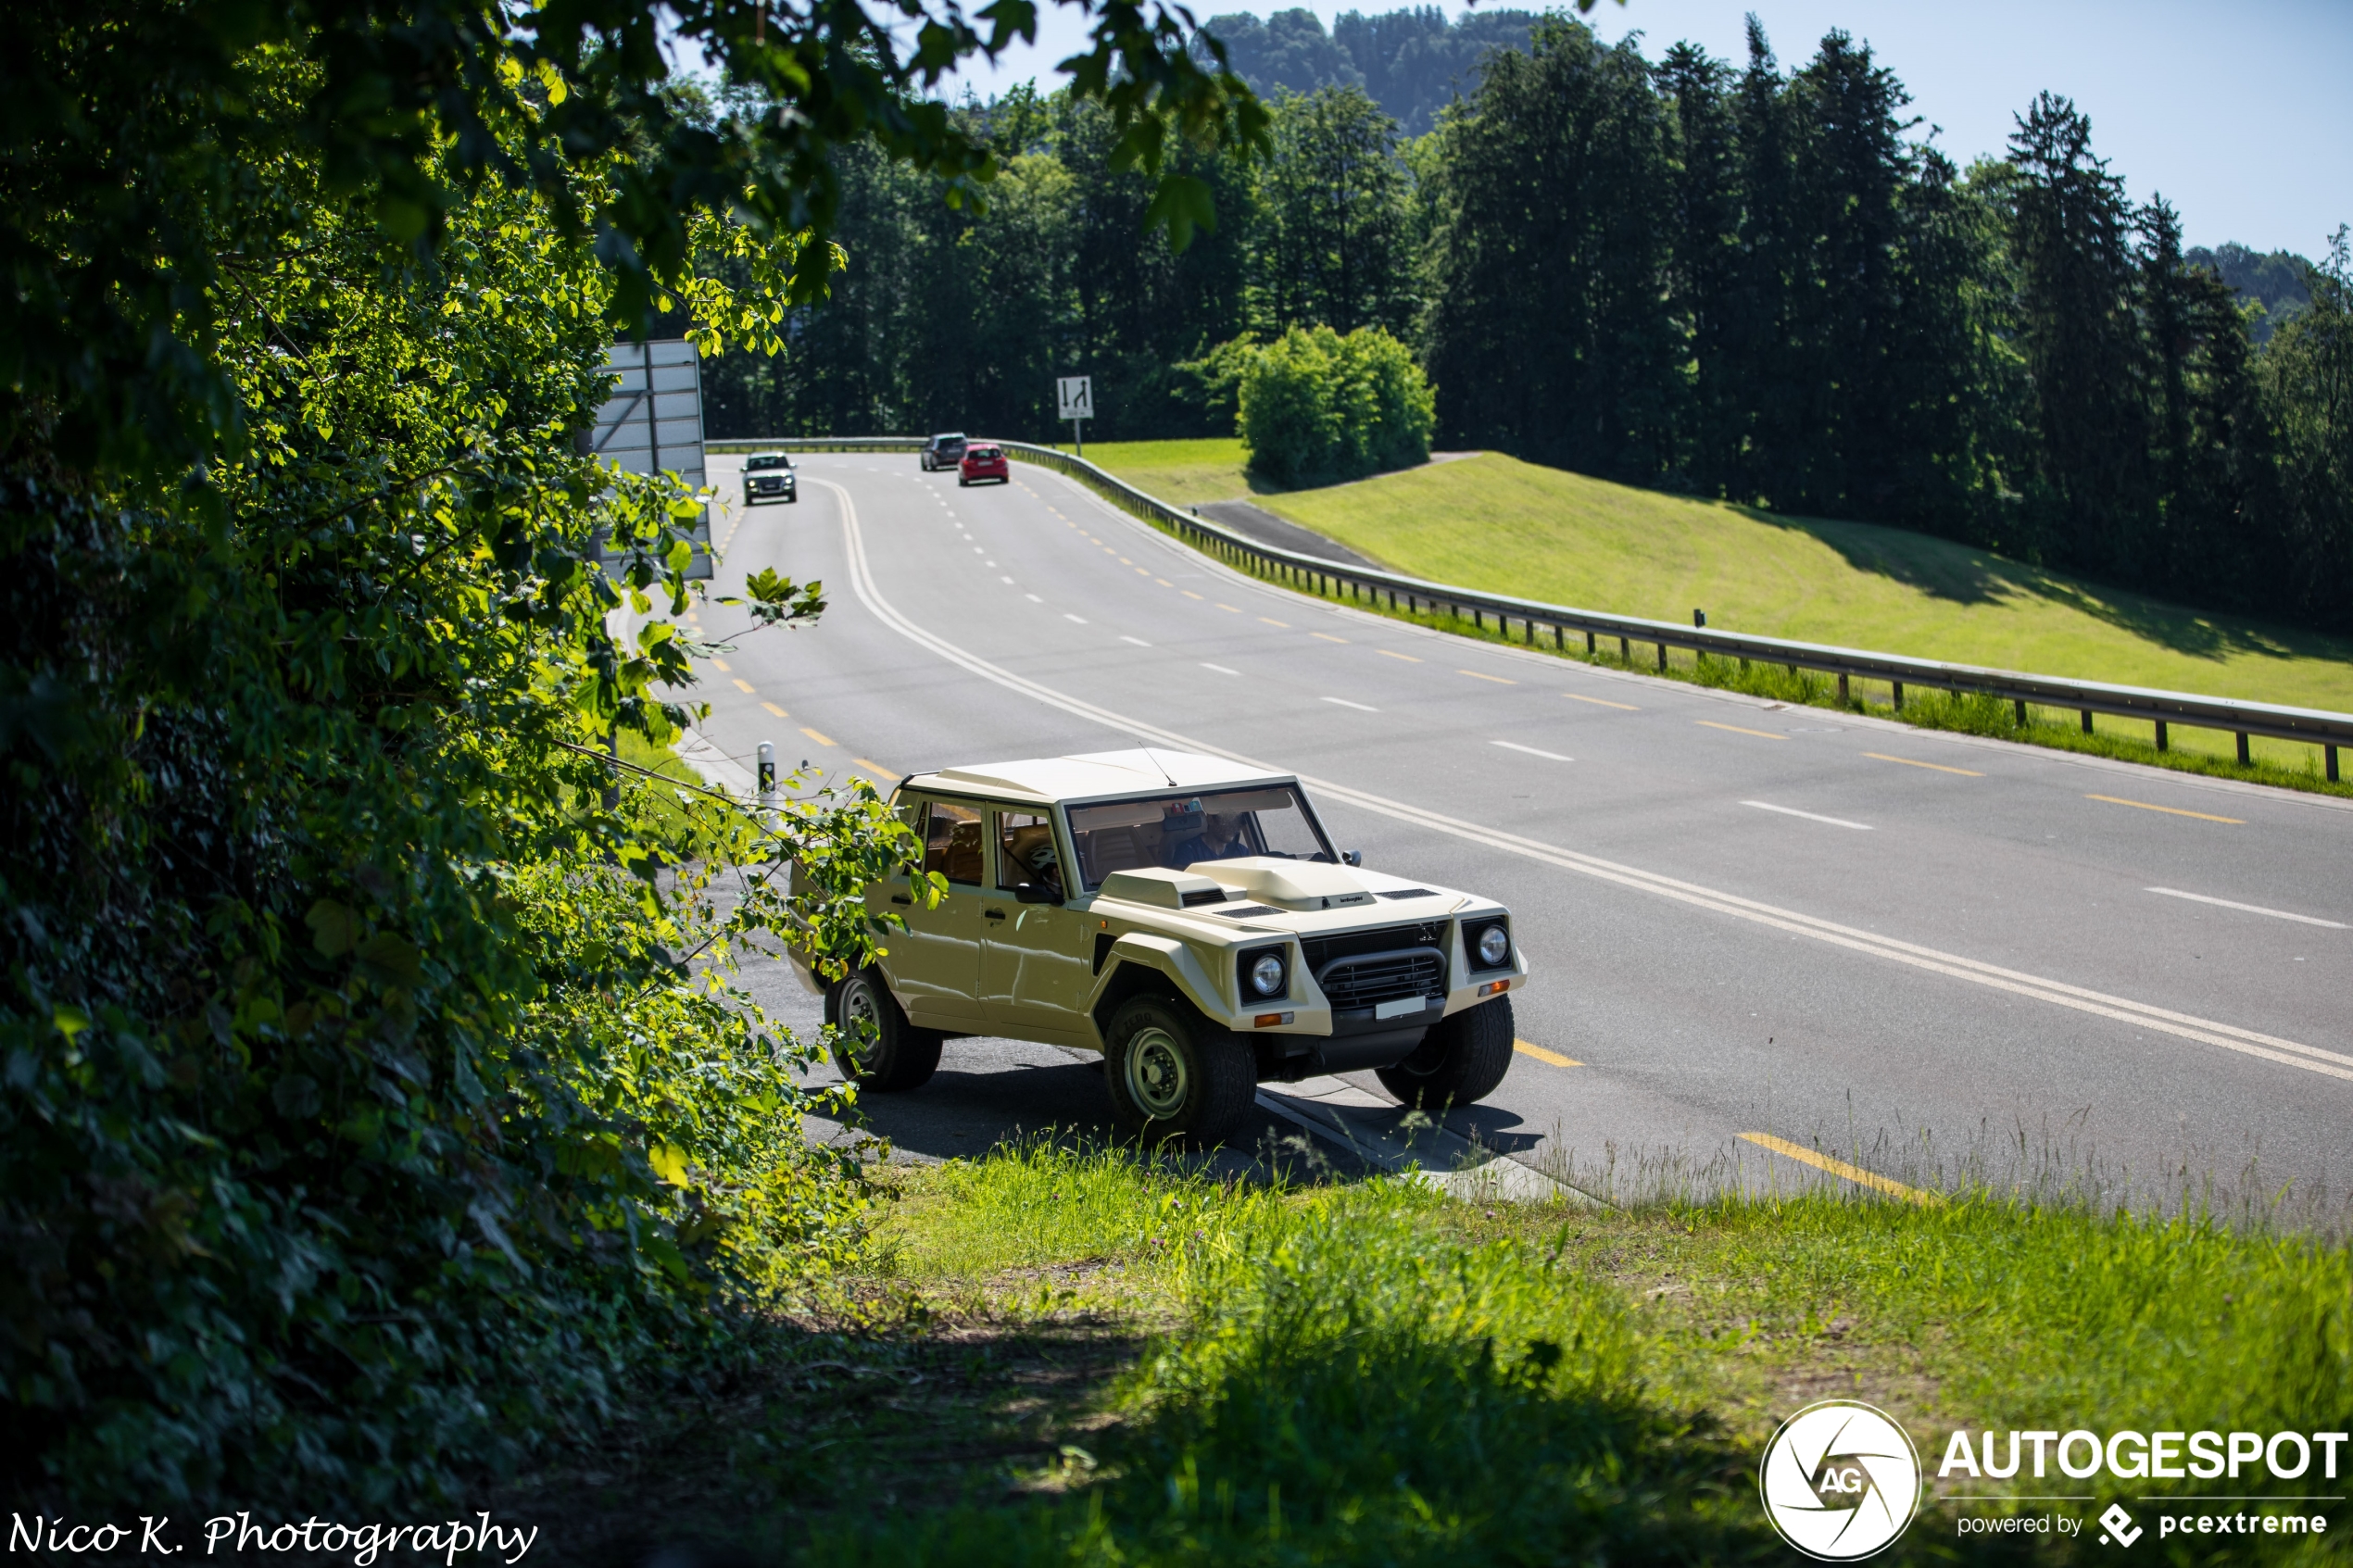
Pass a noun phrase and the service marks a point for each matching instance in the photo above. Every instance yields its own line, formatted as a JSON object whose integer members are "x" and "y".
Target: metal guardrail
{"x": 1311, "y": 574}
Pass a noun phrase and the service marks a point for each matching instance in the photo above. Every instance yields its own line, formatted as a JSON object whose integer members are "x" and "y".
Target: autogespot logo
{"x": 1839, "y": 1480}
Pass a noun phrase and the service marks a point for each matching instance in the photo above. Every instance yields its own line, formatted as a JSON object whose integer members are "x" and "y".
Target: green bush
{"x": 1318, "y": 407}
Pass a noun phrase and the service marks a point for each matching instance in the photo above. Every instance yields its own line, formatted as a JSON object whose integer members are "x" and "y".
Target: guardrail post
{"x": 2330, "y": 752}
{"x": 1560, "y": 639}
{"x": 2087, "y": 720}
{"x": 2160, "y": 734}
{"x": 1589, "y": 645}
{"x": 1662, "y": 659}
{"x": 2017, "y": 706}
{"x": 2243, "y": 760}
{"x": 1842, "y": 688}
{"x": 1899, "y": 695}
{"x": 1625, "y": 652}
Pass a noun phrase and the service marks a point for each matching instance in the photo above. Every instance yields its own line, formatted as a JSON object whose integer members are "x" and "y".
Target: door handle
{"x": 992, "y": 914}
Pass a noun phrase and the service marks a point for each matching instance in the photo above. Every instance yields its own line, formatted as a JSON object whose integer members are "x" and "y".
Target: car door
{"x": 1036, "y": 960}
{"x": 933, "y": 965}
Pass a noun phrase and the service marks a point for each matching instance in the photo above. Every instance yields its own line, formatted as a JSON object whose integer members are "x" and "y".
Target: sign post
{"x": 1075, "y": 398}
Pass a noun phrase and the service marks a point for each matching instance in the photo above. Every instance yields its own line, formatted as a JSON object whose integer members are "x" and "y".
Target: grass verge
{"x": 1065, "y": 1357}
{"x": 1491, "y": 522}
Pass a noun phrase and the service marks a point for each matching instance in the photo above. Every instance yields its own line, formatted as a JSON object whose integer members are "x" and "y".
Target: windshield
{"x": 1194, "y": 828}
{"x": 772, "y": 460}
{"x": 946, "y": 441}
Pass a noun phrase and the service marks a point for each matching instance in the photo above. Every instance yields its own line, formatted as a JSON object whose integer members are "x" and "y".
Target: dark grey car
{"x": 768, "y": 476}
{"x": 943, "y": 452}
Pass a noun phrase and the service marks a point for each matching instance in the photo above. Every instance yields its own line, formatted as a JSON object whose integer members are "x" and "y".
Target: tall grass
{"x": 1376, "y": 1374}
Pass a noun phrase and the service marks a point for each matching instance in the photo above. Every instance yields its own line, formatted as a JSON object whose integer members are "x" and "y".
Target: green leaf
{"x": 335, "y": 929}
{"x": 390, "y": 958}
{"x": 669, "y": 1162}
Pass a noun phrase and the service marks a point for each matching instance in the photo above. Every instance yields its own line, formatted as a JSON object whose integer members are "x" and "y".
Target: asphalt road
{"x": 1932, "y": 956}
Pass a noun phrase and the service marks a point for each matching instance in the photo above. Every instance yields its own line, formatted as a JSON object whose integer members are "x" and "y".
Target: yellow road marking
{"x": 1760, "y": 734}
{"x": 743, "y": 685}
{"x": 1143, "y": 572}
{"x": 1392, "y": 653}
{"x": 1541, "y": 1054}
{"x": 1328, "y": 636}
{"x": 1164, "y": 582}
{"x": 1476, "y": 676}
{"x": 776, "y": 710}
{"x": 1189, "y": 593}
{"x": 2169, "y": 811}
{"x": 1229, "y": 610}
{"x": 876, "y": 768}
{"x": 1600, "y": 701}
{"x": 1272, "y": 621}
{"x": 1883, "y": 757}
{"x": 1855, "y": 1174}
{"x": 812, "y": 734}
{"x": 721, "y": 664}
{"x": 1124, "y": 561}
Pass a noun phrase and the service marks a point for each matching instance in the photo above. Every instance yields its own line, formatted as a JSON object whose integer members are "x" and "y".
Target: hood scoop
{"x": 1298, "y": 885}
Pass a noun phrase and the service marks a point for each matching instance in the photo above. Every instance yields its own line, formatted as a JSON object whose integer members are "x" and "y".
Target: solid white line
{"x": 1793, "y": 811}
{"x": 1138, "y": 641}
{"x": 1080, "y": 619}
{"x": 1547, "y": 755}
{"x": 1357, "y": 706}
{"x": 2140, "y": 1015}
{"x": 1220, "y": 668}
{"x": 2250, "y": 908}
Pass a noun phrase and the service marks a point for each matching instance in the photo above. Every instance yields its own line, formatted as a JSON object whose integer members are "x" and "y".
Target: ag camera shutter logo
{"x": 1839, "y": 1480}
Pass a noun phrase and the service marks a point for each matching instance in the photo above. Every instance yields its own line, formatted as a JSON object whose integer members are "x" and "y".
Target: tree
{"x": 1548, "y": 332}
{"x": 2070, "y": 232}
{"x": 1334, "y": 220}
{"x": 368, "y": 1116}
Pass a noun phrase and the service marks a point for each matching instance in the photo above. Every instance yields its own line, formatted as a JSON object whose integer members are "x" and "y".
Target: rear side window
{"x": 953, "y": 842}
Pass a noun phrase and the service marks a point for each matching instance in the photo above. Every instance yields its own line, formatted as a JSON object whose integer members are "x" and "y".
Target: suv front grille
{"x": 1372, "y": 978}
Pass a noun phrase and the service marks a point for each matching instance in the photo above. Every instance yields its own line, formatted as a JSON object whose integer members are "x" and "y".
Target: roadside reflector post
{"x": 2243, "y": 760}
{"x": 2160, "y": 734}
{"x": 767, "y": 775}
{"x": 1699, "y": 618}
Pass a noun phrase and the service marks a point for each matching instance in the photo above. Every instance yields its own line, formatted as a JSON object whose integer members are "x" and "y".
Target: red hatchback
{"x": 984, "y": 459}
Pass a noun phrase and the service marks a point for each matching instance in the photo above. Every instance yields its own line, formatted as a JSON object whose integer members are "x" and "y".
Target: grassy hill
{"x": 1491, "y": 522}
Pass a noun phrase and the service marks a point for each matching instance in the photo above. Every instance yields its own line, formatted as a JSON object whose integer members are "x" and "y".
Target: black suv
{"x": 943, "y": 452}
{"x": 768, "y": 476}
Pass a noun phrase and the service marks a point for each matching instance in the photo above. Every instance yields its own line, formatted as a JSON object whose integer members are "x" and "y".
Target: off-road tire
{"x": 901, "y": 1057}
{"x": 1462, "y": 1061}
{"x": 1175, "y": 1077}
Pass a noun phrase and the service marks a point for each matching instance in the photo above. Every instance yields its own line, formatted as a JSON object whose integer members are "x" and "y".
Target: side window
{"x": 1026, "y": 850}
{"x": 951, "y": 841}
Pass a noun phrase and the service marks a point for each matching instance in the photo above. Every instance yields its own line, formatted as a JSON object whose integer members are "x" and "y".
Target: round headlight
{"x": 1494, "y": 945}
{"x": 1266, "y": 976}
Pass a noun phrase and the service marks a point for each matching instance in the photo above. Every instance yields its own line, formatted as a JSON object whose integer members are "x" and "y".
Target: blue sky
{"x": 2241, "y": 113}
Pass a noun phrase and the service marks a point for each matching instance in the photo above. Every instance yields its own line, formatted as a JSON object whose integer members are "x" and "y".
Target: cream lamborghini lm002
{"x": 1189, "y": 919}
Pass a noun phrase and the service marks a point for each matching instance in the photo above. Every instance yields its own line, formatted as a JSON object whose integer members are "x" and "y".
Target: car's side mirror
{"x": 1352, "y": 857}
{"x": 1035, "y": 892}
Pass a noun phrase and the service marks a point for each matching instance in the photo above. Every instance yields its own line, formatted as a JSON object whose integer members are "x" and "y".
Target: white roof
{"x": 1098, "y": 773}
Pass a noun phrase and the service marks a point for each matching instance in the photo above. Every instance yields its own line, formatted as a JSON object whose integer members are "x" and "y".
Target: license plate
{"x": 1400, "y": 1008}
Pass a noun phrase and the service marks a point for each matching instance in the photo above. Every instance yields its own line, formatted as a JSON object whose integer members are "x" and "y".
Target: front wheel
{"x": 1174, "y": 1076}
{"x": 874, "y": 1047}
{"x": 1462, "y": 1059}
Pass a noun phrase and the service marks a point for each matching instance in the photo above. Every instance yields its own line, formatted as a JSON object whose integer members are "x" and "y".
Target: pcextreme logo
{"x": 1839, "y": 1480}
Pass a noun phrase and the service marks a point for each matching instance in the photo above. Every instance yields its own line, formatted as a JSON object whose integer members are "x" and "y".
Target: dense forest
{"x": 1726, "y": 278}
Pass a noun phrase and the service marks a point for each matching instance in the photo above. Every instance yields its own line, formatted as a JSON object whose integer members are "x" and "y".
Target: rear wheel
{"x": 1462, "y": 1059}
{"x": 1172, "y": 1075}
{"x": 875, "y": 1047}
